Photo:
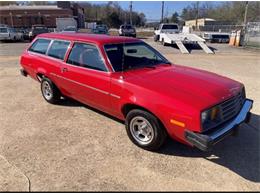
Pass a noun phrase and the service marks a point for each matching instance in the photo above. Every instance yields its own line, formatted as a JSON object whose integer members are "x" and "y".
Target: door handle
{"x": 64, "y": 70}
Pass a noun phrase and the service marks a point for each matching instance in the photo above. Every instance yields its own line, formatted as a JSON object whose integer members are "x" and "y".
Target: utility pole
{"x": 11, "y": 16}
{"x": 162, "y": 17}
{"x": 131, "y": 7}
{"x": 96, "y": 14}
{"x": 197, "y": 15}
{"x": 245, "y": 14}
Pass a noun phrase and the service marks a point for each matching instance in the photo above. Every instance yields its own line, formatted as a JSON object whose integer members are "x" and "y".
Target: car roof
{"x": 84, "y": 37}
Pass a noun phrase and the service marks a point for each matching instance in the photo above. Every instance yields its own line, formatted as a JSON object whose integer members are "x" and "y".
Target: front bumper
{"x": 205, "y": 141}
{"x": 127, "y": 34}
{"x": 5, "y": 38}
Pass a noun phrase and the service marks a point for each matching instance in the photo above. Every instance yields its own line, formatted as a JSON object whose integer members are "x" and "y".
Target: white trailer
{"x": 62, "y": 23}
{"x": 168, "y": 37}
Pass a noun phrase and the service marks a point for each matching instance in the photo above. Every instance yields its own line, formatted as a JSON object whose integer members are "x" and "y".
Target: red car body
{"x": 176, "y": 95}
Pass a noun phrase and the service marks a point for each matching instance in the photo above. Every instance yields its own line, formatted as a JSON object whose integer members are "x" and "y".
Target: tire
{"x": 163, "y": 43}
{"x": 145, "y": 130}
{"x": 49, "y": 91}
{"x": 156, "y": 38}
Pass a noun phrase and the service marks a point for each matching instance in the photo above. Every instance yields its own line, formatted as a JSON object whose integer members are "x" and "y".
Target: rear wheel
{"x": 49, "y": 91}
{"x": 145, "y": 130}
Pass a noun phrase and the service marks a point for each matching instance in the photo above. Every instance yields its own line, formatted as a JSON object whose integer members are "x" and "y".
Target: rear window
{"x": 58, "y": 49}
{"x": 220, "y": 36}
{"x": 175, "y": 27}
{"x": 3, "y": 30}
{"x": 127, "y": 27}
{"x": 40, "y": 46}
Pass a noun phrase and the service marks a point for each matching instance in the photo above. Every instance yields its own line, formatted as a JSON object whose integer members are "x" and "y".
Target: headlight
{"x": 204, "y": 116}
{"x": 210, "y": 118}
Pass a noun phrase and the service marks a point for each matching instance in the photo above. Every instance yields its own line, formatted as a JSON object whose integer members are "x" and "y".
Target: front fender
{"x": 166, "y": 110}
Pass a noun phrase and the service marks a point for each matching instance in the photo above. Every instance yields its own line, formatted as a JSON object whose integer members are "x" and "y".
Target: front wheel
{"x": 145, "y": 130}
{"x": 49, "y": 91}
{"x": 164, "y": 43}
{"x": 156, "y": 38}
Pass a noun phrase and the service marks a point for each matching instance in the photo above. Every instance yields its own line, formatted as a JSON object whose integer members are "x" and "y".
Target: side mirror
{"x": 131, "y": 51}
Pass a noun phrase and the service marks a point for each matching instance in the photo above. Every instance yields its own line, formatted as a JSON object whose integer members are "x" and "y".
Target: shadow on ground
{"x": 240, "y": 153}
{"x": 15, "y": 42}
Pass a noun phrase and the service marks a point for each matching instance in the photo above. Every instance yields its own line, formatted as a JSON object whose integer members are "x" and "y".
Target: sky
{"x": 152, "y": 9}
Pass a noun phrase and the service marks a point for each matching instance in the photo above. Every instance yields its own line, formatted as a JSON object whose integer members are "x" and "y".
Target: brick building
{"x": 25, "y": 16}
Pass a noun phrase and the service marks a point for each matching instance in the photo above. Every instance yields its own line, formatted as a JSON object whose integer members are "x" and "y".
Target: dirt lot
{"x": 71, "y": 147}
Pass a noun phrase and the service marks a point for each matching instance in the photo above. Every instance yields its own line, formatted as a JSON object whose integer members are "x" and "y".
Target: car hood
{"x": 200, "y": 88}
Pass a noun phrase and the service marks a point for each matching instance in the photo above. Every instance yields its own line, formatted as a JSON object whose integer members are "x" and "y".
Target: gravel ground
{"x": 71, "y": 147}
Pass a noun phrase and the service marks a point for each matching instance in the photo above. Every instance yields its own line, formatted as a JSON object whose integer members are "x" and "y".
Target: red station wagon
{"x": 131, "y": 81}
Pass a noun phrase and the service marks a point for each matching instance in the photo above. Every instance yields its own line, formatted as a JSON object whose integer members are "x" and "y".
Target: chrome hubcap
{"x": 46, "y": 90}
{"x": 141, "y": 130}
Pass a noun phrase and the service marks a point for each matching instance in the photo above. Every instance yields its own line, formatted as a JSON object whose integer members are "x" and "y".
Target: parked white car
{"x": 7, "y": 33}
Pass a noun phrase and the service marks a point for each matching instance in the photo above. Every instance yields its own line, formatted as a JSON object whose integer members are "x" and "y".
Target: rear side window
{"x": 86, "y": 55}
{"x": 40, "y": 46}
{"x": 58, "y": 49}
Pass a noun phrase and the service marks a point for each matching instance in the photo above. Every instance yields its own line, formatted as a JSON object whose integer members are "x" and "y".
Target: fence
{"x": 252, "y": 35}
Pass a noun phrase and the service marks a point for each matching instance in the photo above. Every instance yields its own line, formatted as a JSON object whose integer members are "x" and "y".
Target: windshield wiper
{"x": 137, "y": 67}
{"x": 152, "y": 67}
{"x": 168, "y": 63}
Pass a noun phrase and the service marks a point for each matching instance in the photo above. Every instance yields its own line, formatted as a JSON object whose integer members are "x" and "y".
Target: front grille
{"x": 227, "y": 110}
{"x": 232, "y": 106}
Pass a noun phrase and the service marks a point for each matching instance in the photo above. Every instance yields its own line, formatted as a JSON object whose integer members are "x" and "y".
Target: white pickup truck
{"x": 165, "y": 28}
{"x": 10, "y": 34}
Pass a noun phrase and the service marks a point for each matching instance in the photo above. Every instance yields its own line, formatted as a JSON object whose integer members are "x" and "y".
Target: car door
{"x": 86, "y": 76}
{"x": 54, "y": 60}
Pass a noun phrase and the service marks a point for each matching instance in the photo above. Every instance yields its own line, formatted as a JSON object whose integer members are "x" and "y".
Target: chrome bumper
{"x": 206, "y": 141}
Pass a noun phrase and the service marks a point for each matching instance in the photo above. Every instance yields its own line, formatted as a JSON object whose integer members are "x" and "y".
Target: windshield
{"x": 40, "y": 29}
{"x": 101, "y": 27}
{"x": 127, "y": 27}
{"x": 172, "y": 26}
{"x": 70, "y": 29}
{"x": 125, "y": 56}
{"x": 220, "y": 36}
{"x": 3, "y": 30}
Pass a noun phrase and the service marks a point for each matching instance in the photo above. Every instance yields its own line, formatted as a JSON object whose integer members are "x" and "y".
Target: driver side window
{"x": 139, "y": 51}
